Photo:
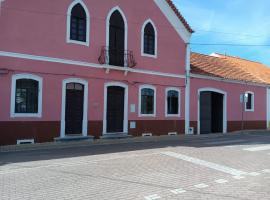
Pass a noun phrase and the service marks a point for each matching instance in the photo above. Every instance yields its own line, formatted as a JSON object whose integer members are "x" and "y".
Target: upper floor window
{"x": 249, "y": 96}
{"x": 149, "y": 39}
{"x": 147, "y": 104}
{"x": 172, "y": 102}
{"x": 26, "y": 96}
{"x": 78, "y": 23}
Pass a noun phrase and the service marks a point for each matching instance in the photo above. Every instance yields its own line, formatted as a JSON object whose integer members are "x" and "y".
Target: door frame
{"x": 125, "y": 125}
{"x": 85, "y": 105}
{"x": 209, "y": 89}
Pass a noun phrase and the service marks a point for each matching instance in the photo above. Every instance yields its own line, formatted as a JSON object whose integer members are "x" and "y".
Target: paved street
{"x": 225, "y": 167}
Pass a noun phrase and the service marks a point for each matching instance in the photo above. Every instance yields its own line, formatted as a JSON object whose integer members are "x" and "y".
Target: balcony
{"x": 116, "y": 57}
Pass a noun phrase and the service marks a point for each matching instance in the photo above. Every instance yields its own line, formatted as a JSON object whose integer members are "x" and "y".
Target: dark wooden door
{"x": 217, "y": 112}
{"x": 115, "y": 109}
{"x": 74, "y": 108}
{"x": 205, "y": 113}
{"x": 117, "y": 39}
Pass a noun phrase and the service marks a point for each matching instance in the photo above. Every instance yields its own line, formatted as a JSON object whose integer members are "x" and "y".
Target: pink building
{"x": 91, "y": 68}
{"x": 82, "y": 69}
{"x": 228, "y": 94}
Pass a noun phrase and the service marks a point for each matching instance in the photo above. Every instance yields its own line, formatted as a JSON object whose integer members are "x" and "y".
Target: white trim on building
{"x": 16, "y": 77}
{"x": 209, "y": 89}
{"x": 268, "y": 107}
{"x": 85, "y": 106}
{"x": 142, "y": 39}
{"x": 68, "y": 40}
{"x": 155, "y": 100}
{"x": 174, "y": 20}
{"x": 166, "y": 102}
{"x": 87, "y": 64}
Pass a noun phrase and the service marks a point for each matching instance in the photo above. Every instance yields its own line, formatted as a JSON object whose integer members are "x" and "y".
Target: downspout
{"x": 187, "y": 91}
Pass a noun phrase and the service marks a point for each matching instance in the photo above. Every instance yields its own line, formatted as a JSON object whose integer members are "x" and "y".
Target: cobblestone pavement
{"x": 227, "y": 167}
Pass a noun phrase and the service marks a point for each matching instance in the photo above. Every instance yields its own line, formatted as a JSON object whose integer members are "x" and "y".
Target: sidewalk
{"x": 63, "y": 145}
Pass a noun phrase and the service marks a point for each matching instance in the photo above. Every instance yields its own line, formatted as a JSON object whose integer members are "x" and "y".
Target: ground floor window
{"x": 172, "y": 102}
{"x": 26, "y": 96}
{"x": 249, "y": 96}
{"x": 147, "y": 101}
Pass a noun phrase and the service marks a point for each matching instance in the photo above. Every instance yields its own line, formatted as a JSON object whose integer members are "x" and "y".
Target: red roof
{"x": 180, "y": 16}
{"x": 229, "y": 67}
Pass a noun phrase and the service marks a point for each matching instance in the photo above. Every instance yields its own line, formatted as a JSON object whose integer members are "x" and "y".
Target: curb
{"x": 101, "y": 142}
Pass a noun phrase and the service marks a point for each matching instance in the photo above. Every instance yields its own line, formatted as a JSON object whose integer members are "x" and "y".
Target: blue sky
{"x": 230, "y": 22}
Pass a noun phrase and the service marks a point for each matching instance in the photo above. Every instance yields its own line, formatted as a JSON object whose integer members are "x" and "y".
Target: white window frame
{"x": 140, "y": 97}
{"x": 252, "y": 103}
{"x": 68, "y": 40}
{"x": 142, "y": 39}
{"x": 179, "y": 102}
{"x": 16, "y": 77}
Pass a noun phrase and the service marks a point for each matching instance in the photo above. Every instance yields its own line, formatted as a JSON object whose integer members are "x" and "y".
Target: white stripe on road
{"x": 225, "y": 142}
{"x": 260, "y": 148}
{"x": 178, "y": 191}
{"x": 254, "y": 174}
{"x": 202, "y": 185}
{"x": 152, "y": 197}
{"x": 221, "y": 181}
{"x": 238, "y": 177}
{"x": 266, "y": 171}
{"x": 204, "y": 163}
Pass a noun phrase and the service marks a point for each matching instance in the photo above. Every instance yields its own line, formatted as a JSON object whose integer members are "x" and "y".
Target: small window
{"x": 78, "y": 23}
{"x": 149, "y": 39}
{"x": 147, "y": 101}
{"x": 26, "y": 96}
{"x": 172, "y": 102}
{"x": 249, "y": 96}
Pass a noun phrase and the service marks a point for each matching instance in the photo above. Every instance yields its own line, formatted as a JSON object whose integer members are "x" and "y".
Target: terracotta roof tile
{"x": 229, "y": 67}
{"x": 179, "y": 15}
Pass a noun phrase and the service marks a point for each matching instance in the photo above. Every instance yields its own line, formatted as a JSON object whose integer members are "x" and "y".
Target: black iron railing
{"x": 116, "y": 57}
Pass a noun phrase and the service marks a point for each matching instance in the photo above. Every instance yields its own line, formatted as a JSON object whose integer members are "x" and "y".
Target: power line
{"x": 229, "y": 33}
{"x": 224, "y": 44}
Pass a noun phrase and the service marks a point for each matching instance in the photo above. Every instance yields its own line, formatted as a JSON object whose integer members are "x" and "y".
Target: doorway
{"x": 74, "y": 120}
{"x": 115, "y": 108}
{"x": 212, "y": 112}
{"x": 74, "y": 108}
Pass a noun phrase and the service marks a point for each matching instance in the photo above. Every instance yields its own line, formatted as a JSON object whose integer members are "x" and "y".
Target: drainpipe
{"x": 187, "y": 90}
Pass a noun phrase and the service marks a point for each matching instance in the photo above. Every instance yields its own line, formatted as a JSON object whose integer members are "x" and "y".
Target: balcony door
{"x": 116, "y": 39}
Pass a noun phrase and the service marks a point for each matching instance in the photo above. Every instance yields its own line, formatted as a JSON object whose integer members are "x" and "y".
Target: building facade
{"x": 91, "y": 68}
{"x": 228, "y": 94}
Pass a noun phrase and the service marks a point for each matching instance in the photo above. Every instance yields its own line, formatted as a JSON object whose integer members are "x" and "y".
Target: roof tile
{"x": 229, "y": 67}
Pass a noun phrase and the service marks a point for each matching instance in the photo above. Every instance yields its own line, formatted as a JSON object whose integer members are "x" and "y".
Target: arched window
{"x": 26, "y": 96}
{"x": 78, "y": 23}
{"x": 172, "y": 102}
{"x": 149, "y": 39}
{"x": 117, "y": 39}
{"x": 147, "y": 104}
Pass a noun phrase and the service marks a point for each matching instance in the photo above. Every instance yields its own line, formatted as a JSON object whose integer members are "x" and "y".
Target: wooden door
{"x": 115, "y": 109}
{"x": 74, "y": 108}
{"x": 205, "y": 113}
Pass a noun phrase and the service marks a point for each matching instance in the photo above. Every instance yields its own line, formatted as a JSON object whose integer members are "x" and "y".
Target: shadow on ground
{"x": 157, "y": 143}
